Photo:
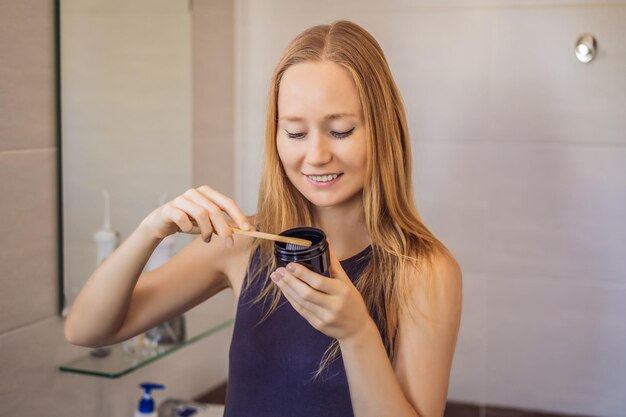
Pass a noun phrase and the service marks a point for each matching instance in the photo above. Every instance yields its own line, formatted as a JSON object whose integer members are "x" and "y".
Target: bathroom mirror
{"x": 125, "y": 121}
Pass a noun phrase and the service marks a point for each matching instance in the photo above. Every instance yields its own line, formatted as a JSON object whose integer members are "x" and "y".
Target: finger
{"x": 307, "y": 297}
{"x": 303, "y": 311}
{"x": 313, "y": 279}
{"x": 214, "y": 213}
{"x": 196, "y": 213}
{"x": 228, "y": 205}
{"x": 336, "y": 270}
{"x": 179, "y": 217}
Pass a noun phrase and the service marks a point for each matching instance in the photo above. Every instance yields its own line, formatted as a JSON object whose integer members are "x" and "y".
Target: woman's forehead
{"x": 317, "y": 87}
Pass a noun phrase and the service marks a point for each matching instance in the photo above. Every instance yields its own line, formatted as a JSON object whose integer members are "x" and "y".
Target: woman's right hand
{"x": 197, "y": 208}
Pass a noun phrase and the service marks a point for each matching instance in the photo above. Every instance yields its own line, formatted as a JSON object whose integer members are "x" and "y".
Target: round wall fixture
{"x": 586, "y": 48}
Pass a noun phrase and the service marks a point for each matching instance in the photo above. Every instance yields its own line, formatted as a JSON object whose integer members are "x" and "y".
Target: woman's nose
{"x": 318, "y": 151}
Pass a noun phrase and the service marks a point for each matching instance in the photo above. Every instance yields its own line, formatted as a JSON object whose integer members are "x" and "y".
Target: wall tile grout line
{"x": 24, "y": 326}
{"x": 24, "y": 150}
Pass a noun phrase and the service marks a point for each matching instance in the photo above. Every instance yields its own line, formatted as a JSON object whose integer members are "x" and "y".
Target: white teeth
{"x": 323, "y": 178}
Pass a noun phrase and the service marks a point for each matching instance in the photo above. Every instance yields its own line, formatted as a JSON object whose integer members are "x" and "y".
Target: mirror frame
{"x": 59, "y": 157}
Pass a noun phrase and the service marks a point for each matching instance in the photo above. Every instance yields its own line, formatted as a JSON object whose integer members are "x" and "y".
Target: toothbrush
{"x": 293, "y": 243}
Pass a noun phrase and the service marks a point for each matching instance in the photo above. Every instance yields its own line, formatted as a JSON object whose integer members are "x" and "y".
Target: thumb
{"x": 336, "y": 270}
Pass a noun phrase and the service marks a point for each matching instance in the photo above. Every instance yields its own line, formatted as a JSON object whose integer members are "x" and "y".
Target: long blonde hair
{"x": 400, "y": 241}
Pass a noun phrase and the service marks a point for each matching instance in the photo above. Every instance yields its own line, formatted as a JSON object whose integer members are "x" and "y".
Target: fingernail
{"x": 280, "y": 272}
{"x": 291, "y": 268}
{"x": 274, "y": 277}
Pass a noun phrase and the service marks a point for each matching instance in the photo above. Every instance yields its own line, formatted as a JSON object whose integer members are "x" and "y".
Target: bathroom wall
{"x": 519, "y": 166}
{"x": 32, "y": 345}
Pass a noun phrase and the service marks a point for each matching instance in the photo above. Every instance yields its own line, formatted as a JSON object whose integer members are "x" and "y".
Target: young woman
{"x": 378, "y": 337}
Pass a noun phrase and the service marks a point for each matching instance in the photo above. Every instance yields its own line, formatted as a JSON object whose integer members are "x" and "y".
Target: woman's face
{"x": 321, "y": 133}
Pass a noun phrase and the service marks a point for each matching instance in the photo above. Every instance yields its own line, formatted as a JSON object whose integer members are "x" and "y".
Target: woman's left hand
{"x": 332, "y": 305}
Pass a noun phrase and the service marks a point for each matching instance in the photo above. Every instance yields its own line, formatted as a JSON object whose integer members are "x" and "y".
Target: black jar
{"x": 315, "y": 257}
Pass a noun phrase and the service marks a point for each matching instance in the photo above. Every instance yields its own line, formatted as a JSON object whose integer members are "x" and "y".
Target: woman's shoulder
{"x": 437, "y": 286}
{"x": 443, "y": 264}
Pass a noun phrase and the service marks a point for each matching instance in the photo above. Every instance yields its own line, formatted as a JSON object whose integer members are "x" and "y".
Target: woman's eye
{"x": 294, "y": 135}
{"x": 339, "y": 135}
{"x": 342, "y": 134}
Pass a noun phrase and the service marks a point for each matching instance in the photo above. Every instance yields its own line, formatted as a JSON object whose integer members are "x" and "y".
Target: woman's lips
{"x": 323, "y": 184}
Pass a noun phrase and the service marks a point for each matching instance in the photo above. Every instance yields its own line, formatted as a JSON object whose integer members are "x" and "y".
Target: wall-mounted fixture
{"x": 586, "y": 48}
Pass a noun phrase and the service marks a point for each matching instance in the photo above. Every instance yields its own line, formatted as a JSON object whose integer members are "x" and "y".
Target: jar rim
{"x": 317, "y": 236}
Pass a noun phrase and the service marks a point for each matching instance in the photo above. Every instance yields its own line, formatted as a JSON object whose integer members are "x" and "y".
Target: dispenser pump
{"x": 146, "y": 403}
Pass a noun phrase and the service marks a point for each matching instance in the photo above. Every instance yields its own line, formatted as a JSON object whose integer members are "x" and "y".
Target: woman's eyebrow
{"x": 339, "y": 115}
{"x": 327, "y": 117}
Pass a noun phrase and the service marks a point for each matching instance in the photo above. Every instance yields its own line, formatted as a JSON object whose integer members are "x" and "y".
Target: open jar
{"x": 314, "y": 257}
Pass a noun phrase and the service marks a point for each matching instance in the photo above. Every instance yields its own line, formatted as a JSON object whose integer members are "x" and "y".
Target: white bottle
{"x": 106, "y": 238}
{"x": 146, "y": 406}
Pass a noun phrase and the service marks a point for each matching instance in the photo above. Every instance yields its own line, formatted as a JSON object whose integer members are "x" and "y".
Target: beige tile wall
{"x": 26, "y": 75}
{"x": 32, "y": 345}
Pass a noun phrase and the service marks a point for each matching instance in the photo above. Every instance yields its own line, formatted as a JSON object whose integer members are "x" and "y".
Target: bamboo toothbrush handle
{"x": 262, "y": 235}
{"x": 270, "y": 236}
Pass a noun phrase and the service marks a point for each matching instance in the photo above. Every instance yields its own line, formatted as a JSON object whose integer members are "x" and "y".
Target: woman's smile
{"x": 323, "y": 180}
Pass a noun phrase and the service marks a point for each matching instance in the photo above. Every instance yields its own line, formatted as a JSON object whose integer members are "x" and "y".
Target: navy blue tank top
{"x": 271, "y": 366}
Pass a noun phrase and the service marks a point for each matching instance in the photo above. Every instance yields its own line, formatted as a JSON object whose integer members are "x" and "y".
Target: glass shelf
{"x": 120, "y": 362}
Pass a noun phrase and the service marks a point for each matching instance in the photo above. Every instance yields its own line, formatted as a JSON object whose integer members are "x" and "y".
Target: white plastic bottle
{"x": 146, "y": 406}
{"x": 107, "y": 239}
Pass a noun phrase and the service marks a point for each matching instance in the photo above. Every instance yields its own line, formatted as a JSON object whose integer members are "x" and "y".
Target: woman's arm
{"x": 374, "y": 389}
{"x": 417, "y": 384}
{"x": 118, "y": 302}
{"x": 100, "y": 308}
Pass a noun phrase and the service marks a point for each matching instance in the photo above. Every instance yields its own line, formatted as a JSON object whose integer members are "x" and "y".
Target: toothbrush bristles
{"x": 291, "y": 246}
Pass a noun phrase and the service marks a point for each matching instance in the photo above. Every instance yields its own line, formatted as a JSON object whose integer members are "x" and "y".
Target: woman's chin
{"x": 321, "y": 201}
{"x": 325, "y": 201}
{"x": 329, "y": 199}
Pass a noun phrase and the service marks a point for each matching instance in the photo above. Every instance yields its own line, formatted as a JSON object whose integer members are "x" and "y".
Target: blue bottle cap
{"x": 146, "y": 404}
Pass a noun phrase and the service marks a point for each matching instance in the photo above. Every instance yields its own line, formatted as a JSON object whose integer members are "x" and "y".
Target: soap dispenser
{"x": 146, "y": 407}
